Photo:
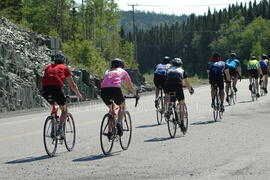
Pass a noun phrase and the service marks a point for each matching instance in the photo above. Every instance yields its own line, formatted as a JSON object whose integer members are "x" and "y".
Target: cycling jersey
{"x": 263, "y": 63}
{"x": 175, "y": 75}
{"x": 161, "y": 69}
{"x": 55, "y": 74}
{"x": 115, "y": 77}
{"x": 216, "y": 67}
{"x": 232, "y": 63}
{"x": 253, "y": 64}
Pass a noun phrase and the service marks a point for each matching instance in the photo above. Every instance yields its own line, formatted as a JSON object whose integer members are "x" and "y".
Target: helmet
{"x": 116, "y": 63}
{"x": 59, "y": 58}
{"x": 177, "y": 62}
{"x": 253, "y": 57}
{"x": 233, "y": 55}
{"x": 166, "y": 59}
{"x": 264, "y": 56}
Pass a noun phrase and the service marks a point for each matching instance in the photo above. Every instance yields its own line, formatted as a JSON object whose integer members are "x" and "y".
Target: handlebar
{"x": 135, "y": 97}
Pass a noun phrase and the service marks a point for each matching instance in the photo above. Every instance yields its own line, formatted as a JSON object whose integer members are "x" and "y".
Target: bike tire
{"x": 70, "y": 132}
{"x": 159, "y": 112}
{"x": 49, "y": 136}
{"x": 172, "y": 124}
{"x": 185, "y": 119}
{"x": 105, "y": 142}
{"x": 125, "y": 139}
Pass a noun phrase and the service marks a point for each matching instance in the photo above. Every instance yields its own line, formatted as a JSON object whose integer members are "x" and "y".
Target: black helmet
{"x": 177, "y": 62}
{"x": 233, "y": 55}
{"x": 59, "y": 59}
{"x": 253, "y": 57}
{"x": 166, "y": 59}
{"x": 116, "y": 63}
{"x": 264, "y": 56}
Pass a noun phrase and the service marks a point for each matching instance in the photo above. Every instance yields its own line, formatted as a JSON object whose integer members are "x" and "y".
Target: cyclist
{"x": 264, "y": 65}
{"x": 174, "y": 83}
{"x": 253, "y": 69}
{"x": 52, "y": 83}
{"x": 235, "y": 70}
{"x": 160, "y": 76}
{"x": 215, "y": 71}
{"x": 111, "y": 90}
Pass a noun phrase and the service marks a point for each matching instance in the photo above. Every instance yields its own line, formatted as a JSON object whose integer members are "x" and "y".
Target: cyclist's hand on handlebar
{"x": 80, "y": 97}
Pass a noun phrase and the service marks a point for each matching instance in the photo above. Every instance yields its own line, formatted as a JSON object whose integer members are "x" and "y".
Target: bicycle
{"x": 50, "y": 137}
{"x": 217, "y": 111}
{"x": 108, "y": 124}
{"x": 172, "y": 116}
{"x": 160, "y": 107}
{"x": 253, "y": 90}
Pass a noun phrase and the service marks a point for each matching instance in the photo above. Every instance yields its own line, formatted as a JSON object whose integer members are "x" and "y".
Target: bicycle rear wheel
{"x": 127, "y": 131}
{"x": 216, "y": 107}
{"x": 185, "y": 119}
{"x": 49, "y": 136}
{"x": 159, "y": 111}
{"x": 172, "y": 123}
{"x": 70, "y": 132}
{"x": 105, "y": 141}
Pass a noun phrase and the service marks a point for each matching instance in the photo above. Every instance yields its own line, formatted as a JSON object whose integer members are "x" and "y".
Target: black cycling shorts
{"x": 177, "y": 88}
{"x": 265, "y": 71}
{"x": 254, "y": 73}
{"x": 217, "y": 79}
{"x": 54, "y": 94}
{"x": 159, "y": 81}
{"x": 112, "y": 93}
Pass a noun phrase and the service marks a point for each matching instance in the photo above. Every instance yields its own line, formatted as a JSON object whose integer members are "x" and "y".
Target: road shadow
{"x": 204, "y": 122}
{"x": 148, "y": 126}
{"x": 245, "y": 101}
{"x": 28, "y": 159}
{"x": 95, "y": 157}
{"x": 162, "y": 139}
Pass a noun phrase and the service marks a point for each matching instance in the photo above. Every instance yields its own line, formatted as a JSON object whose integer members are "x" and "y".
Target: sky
{"x": 177, "y": 7}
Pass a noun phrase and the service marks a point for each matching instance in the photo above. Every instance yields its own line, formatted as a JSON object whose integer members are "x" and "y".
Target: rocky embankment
{"x": 23, "y": 55}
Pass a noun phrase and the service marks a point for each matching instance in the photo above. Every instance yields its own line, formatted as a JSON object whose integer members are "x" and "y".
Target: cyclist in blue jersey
{"x": 215, "y": 71}
{"x": 160, "y": 75}
{"x": 234, "y": 67}
{"x": 264, "y": 65}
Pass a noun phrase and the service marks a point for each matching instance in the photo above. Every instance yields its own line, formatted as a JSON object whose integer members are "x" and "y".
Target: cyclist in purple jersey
{"x": 264, "y": 65}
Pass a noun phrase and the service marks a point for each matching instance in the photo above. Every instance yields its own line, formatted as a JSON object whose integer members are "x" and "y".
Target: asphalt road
{"x": 238, "y": 147}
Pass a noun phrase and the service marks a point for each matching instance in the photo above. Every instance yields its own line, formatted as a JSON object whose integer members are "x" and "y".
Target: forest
{"x": 91, "y": 32}
{"x": 240, "y": 28}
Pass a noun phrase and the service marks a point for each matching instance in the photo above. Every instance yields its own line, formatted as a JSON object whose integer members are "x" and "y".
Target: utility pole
{"x": 134, "y": 32}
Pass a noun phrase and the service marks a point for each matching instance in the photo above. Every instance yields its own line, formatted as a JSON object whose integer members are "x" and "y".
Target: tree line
{"x": 90, "y": 32}
{"x": 243, "y": 28}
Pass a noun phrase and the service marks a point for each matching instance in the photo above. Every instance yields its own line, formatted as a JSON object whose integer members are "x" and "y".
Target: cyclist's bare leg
{"x": 121, "y": 112}
{"x": 181, "y": 109}
{"x": 222, "y": 95}
{"x": 166, "y": 102}
{"x": 213, "y": 91}
{"x": 250, "y": 79}
{"x": 63, "y": 115}
{"x": 228, "y": 78}
{"x": 157, "y": 92}
{"x": 265, "y": 81}
{"x": 257, "y": 85}
{"x": 235, "y": 80}
{"x": 112, "y": 121}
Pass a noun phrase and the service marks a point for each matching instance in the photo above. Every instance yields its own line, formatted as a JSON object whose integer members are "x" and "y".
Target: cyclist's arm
{"x": 131, "y": 88}
{"x": 239, "y": 69}
{"x": 74, "y": 87}
{"x": 187, "y": 84}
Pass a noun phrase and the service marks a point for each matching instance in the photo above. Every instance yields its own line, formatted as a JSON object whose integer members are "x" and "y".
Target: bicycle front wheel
{"x": 70, "y": 132}
{"x": 106, "y": 142}
{"x": 172, "y": 124}
{"x": 127, "y": 131}
{"x": 49, "y": 136}
{"x": 159, "y": 111}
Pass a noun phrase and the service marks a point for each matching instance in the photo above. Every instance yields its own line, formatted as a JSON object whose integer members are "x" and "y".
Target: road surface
{"x": 238, "y": 147}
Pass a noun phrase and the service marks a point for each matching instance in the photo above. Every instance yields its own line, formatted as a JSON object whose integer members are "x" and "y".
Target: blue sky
{"x": 176, "y": 7}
